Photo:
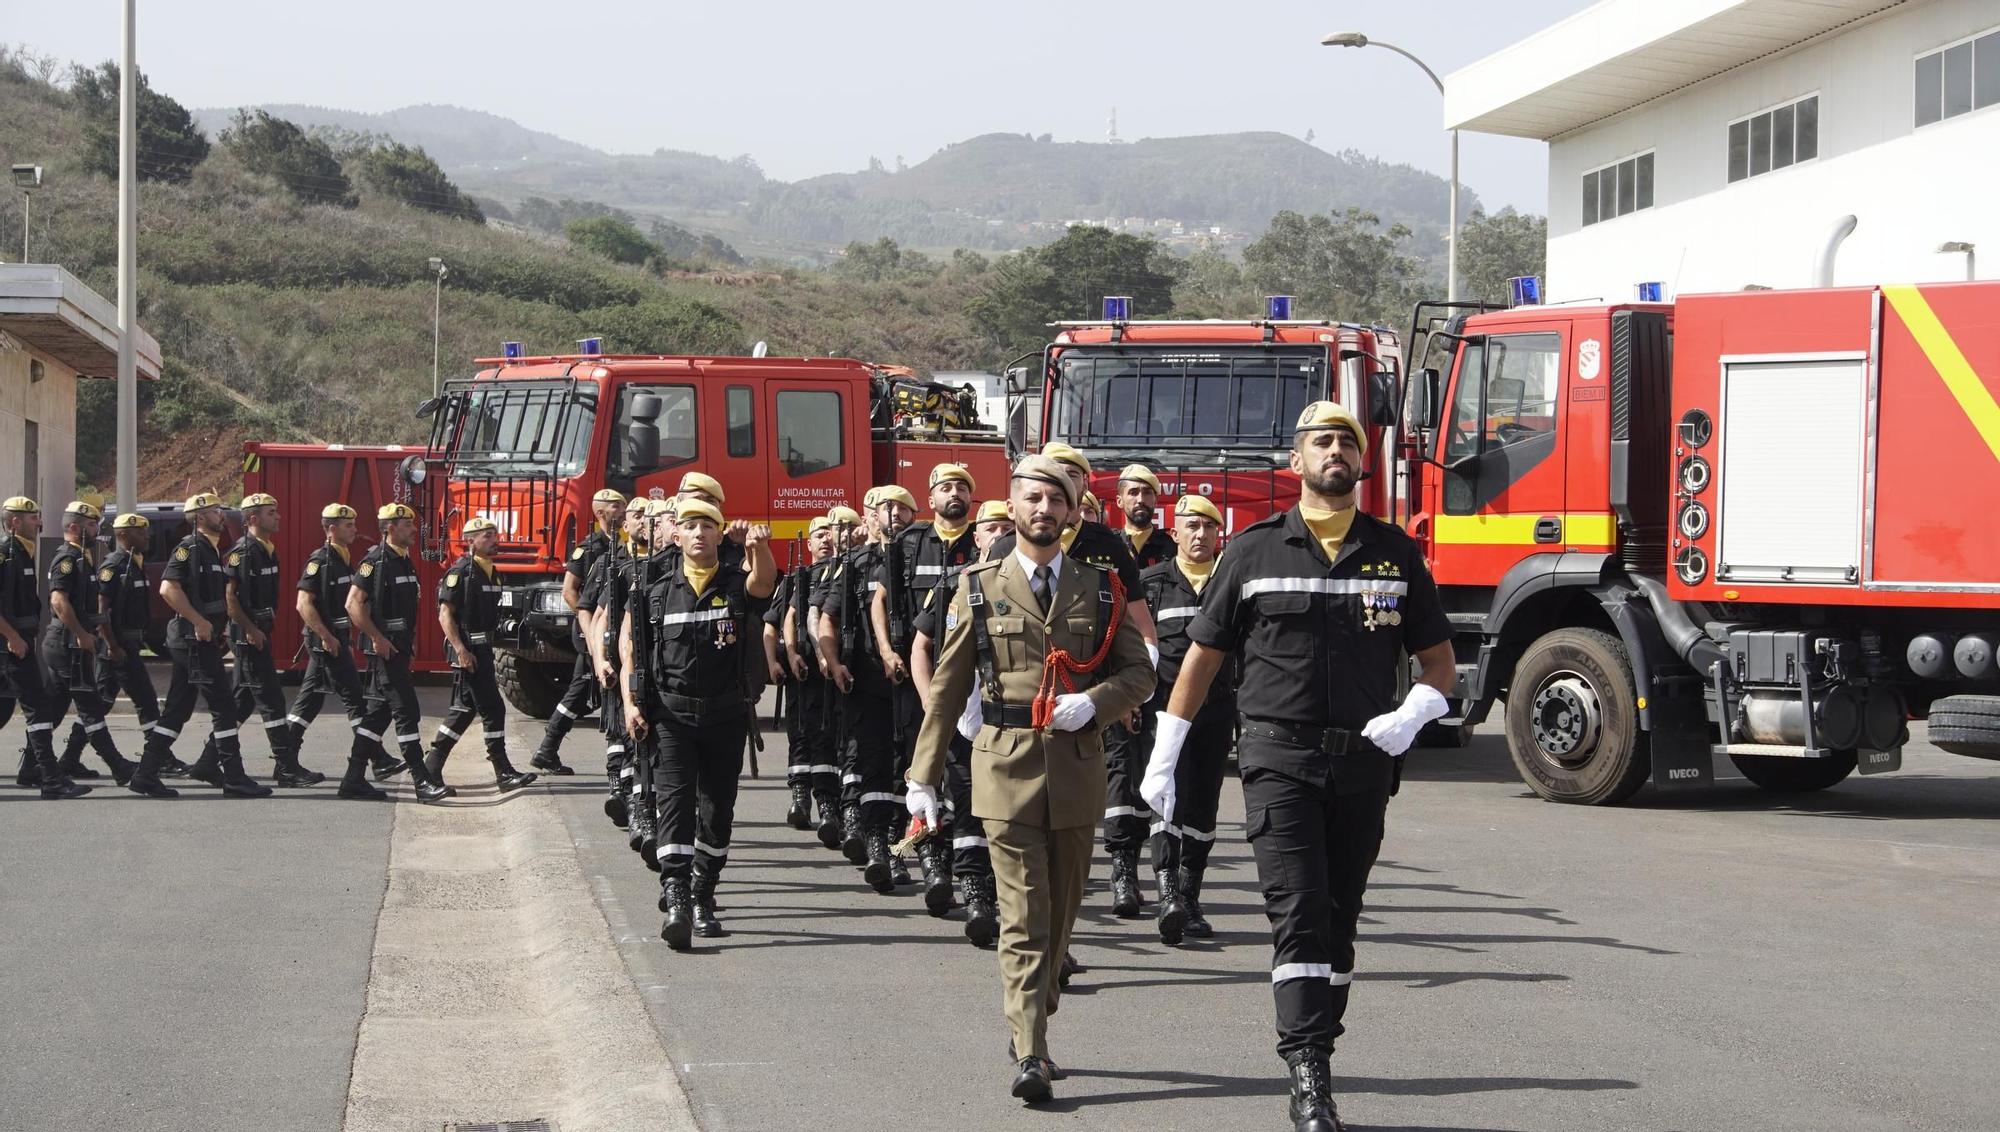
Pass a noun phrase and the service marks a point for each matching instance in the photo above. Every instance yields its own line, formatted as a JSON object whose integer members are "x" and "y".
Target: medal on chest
{"x": 1379, "y": 609}
{"x": 725, "y": 628}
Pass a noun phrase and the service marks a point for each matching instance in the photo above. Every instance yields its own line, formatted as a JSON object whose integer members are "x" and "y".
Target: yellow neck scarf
{"x": 1197, "y": 572}
{"x": 1329, "y": 527}
{"x": 947, "y": 533}
{"x": 698, "y": 576}
{"x": 1069, "y": 536}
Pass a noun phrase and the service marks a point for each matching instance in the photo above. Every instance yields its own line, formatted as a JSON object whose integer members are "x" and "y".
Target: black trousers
{"x": 129, "y": 676}
{"x": 197, "y": 674}
{"x": 32, "y": 694}
{"x": 695, "y": 772}
{"x": 57, "y": 696}
{"x": 969, "y": 854}
{"x": 474, "y": 693}
{"x": 577, "y": 701}
{"x": 810, "y": 736}
{"x": 868, "y": 755}
{"x": 1186, "y": 841}
{"x": 1314, "y": 849}
{"x": 255, "y": 686}
{"x": 1127, "y": 820}
{"x": 327, "y": 674}
{"x": 389, "y": 694}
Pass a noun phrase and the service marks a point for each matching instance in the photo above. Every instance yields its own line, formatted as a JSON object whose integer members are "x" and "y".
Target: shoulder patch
{"x": 577, "y": 553}
{"x": 451, "y": 579}
{"x": 719, "y": 602}
{"x": 180, "y": 554}
{"x": 312, "y": 567}
{"x": 65, "y": 566}
{"x": 367, "y": 568}
{"x": 104, "y": 575}
{"x": 235, "y": 558}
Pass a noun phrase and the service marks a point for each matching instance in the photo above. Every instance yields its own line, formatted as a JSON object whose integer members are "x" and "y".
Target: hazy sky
{"x": 816, "y": 87}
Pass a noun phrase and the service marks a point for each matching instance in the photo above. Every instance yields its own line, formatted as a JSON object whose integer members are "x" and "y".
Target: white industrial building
{"x": 1712, "y": 145}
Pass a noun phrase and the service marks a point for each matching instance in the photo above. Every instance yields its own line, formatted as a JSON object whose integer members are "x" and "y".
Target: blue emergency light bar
{"x": 1526, "y": 290}
{"x": 1117, "y": 308}
{"x": 513, "y": 350}
{"x": 589, "y": 346}
{"x": 1278, "y": 307}
{"x": 1648, "y": 292}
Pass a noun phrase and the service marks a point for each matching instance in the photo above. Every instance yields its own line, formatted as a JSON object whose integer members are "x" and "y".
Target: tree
{"x": 1212, "y": 287}
{"x": 408, "y": 174}
{"x": 612, "y": 238}
{"x": 869, "y": 263}
{"x": 1022, "y": 293}
{"x": 1336, "y": 265}
{"x": 1494, "y": 249}
{"x": 304, "y": 164}
{"x": 169, "y": 144}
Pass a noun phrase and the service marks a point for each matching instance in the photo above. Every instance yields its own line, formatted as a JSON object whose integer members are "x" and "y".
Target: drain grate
{"x": 536, "y": 1125}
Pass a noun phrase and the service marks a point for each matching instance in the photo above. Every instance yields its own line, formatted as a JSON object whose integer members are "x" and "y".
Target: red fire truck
{"x": 527, "y": 440}
{"x": 1210, "y": 404}
{"x": 1739, "y": 524}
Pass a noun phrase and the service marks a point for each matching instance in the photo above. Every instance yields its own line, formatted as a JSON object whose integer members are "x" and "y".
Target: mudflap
{"x": 1878, "y": 762}
{"x": 1680, "y": 743}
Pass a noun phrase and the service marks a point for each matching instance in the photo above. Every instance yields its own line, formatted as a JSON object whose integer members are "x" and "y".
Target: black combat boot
{"x": 71, "y": 762}
{"x": 800, "y": 815}
{"x": 829, "y": 819}
{"x": 100, "y": 741}
{"x": 1312, "y": 1093}
{"x": 430, "y": 784}
{"x": 899, "y": 869}
{"x": 935, "y": 856}
{"x": 853, "y": 839}
{"x": 236, "y": 782}
{"x": 675, "y": 900}
{"x": 30, "y": 773}
{"x": 548, "y": 758}
{"x": 877, "y": 871}
{"x": 982, "y": 912}
{"x": 1125, "y": 883}
{"x": 1173, "y": 911}
{"x": 354, "y": 784}
{"x": 288, "y": 772}
{"x": 145, "y": 780}
{"x": 387, "y": 766}
{"x": 616, "y": 806}
{"x": 434, "y": 771}
{"x": 705, "y": 923}
{"x": 505, "y": 776}
{"x": 1197, "y": 924}
{"x": 205, "y": 768}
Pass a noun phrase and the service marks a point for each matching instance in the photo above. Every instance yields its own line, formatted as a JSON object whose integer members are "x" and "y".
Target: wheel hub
{"x": 1567, "y": 718}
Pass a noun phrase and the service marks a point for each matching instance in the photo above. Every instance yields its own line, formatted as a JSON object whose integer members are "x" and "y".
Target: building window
{"x": 1618, "y": 188}
{"x": 1958, "y": 78}
{"x": 1773, "y": 139}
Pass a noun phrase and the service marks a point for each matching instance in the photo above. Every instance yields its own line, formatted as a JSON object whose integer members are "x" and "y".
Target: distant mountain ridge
{"x": 995, "y": 191}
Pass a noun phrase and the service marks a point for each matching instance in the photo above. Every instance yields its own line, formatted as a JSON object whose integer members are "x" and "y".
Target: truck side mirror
{"x": 1423, "y": 399}
{"x": 1382, "y": 400}
{"x": 642, "y": 442}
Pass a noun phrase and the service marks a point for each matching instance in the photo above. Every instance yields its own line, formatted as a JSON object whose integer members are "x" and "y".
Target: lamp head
{"x": 27, "y": 176}
{"x": 1345, "y": 39}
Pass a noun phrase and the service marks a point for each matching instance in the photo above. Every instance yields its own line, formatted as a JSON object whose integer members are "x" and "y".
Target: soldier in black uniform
{"x": 194, "y": 585}
{"x": 801, "y": 636}
{"x": 600, "y": 596}
{"x": 691, "y": 630}
{"x": 252, "y": 593}
{"x": 642, "y": 805}
{"x": 971, "y": 858}
{"x": 581, "y": 697}
{"x": 69, "y": 647}
{"x": 913, "y": 563}
{"x": 1320, "y": 603}
{"x": 468, "y": 610}
{"x": 1139, "y": 504}
{"x": 21, "y": 677}
{"x": 125, "y": 603}
{"x": 321, "y": 602}
{"x": 383, "y": 604}
{"x": 1181, "y": 845}
{"x": 811, "y": 774}
{"x": 871, "y": 799}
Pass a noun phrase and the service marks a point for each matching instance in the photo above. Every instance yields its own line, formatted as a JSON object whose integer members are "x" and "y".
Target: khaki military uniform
{"x": 1039, "y": 794}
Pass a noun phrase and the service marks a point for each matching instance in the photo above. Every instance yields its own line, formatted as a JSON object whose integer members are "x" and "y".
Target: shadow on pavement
{"x": 1187, "y": 1086}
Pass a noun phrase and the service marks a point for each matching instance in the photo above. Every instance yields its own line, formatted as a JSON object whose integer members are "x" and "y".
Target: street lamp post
{"x": 1356, "y": 39}
{"x": 27, "y": 178}
{"x": 437, "y": 319}
{"x": 1960, "y": 247}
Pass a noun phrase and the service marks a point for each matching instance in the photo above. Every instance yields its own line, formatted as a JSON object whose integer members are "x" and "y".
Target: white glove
{"x": 1073, "y": 712}
{"x": 971, "y": 719}
{"x": 1396, "y": 730}
{"x": 1157, "y": 788}
{"x": 923, "y": 803}
{"x": 1153, "y": 655}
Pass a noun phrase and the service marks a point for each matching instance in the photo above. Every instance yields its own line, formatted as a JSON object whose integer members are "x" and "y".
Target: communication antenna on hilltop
{"x": 1112, "y": 134}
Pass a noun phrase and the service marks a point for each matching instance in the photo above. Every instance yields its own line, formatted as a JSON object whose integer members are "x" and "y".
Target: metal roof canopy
{"x": 54, "y": 313}
{"x": 1620, "y": 54}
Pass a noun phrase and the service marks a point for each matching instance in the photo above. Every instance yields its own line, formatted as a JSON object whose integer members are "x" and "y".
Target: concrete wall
{"x": 51, "y": 404}
{"x": 1912, "y": 189}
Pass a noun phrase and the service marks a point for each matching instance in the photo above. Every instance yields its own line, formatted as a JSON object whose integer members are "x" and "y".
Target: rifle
{"x": 899, "y": 623}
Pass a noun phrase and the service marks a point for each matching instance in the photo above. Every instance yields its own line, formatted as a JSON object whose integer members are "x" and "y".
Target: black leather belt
{"x": 478, "y": 638}
{"x": 698, "y": 708}
{"x": 1332, "y": 740}
{"x": 1007, "y": 715}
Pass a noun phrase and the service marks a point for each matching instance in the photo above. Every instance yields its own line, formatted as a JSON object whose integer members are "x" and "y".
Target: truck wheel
{"x": 1572, "y": 720}
{"x": 532, "y": 688}
{"x": 1967, "y": 725}
{"x": 1787, "y": 775}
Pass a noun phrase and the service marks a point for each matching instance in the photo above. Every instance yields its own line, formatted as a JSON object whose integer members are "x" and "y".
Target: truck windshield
{"x": 1184, "y": 397}
{"x": 521, "y": 429}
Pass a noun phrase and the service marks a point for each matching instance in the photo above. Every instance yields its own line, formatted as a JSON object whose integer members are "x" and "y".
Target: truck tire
{"x": 1967, "y": 725}
{"x": 1573, "y": 720}
{"x": 1784, "y": 774}
{"x": 532, "y": 688}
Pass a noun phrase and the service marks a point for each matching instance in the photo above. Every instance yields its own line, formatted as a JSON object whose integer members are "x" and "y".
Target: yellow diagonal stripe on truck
{"x": 1578, "y": 529}
{"x": 1973, "y": 398}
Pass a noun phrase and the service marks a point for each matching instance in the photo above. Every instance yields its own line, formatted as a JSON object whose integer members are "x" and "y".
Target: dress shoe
{"x": 1312, "y": 1107}
{"x": 1067, "y": 971}
{"x": 1173, "y": 911}
{"x": 550, "y": 764}
{"x": 361, "y": 790}
{"x": 1055, "y": 1071}
{"x": 1125, "y": 884}
{"x": 1031, "y": 1083}
{"x": 63, "y": 788}
{"x": 800, "y": 815}
{"x": 244, "y": 788}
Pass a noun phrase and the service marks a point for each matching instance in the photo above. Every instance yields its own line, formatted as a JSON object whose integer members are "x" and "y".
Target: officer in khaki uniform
{"x": 1039, "y": 791}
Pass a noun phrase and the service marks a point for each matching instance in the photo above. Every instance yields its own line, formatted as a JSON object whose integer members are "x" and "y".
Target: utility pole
{"x": 128, "y": 266}
{"x": 437, "y": 320}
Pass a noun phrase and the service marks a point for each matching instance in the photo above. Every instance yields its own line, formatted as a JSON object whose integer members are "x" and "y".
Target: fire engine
{"x": 1745, "y": 525}
{"x": 1208, "y": 404}
{"x": 527, "y": 440}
